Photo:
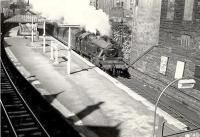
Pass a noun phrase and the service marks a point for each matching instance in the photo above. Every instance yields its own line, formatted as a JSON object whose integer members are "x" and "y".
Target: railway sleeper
{"x": 27, "y": 123}
{"x": 20, "y": 116}
{"x": 33, "y": 134}
{"x": 7, "y": 85}
{"x": 18, "y": 101}
{"x": 7, "y": 91}
{"x": 22, "y": 121}
{"x": 28, "y": 129}
{"x": 5, "y": 82}
{"x": 17, "y": 112}
{"x": 13, "y": 105}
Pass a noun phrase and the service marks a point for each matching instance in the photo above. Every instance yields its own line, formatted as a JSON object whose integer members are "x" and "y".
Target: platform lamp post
{"x": 32, "y": 29}
{"x": 183, "y": 83}
{"x": 69, "y": 45}
{"x": 44, "y": 36}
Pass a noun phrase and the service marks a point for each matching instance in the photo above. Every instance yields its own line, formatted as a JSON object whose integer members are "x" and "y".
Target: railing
{"x": 188, "y": 133}
{"x": 143, "y": 54}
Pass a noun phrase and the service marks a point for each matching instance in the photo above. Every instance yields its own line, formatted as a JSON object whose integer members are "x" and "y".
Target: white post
{"x": 56, "y": 54}
{"x": 44, "y": 40}
{"x": 69, "y": 52}
{"x": 32, "y": 30}
{"x": 51, "y": 51}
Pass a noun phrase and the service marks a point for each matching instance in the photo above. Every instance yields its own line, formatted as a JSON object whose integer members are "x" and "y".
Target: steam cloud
{"x": 76, "y": 12}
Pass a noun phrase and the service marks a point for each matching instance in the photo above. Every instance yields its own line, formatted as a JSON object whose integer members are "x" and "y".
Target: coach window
{"x": 188, "y": 10}
{"x": 170, "y": 9}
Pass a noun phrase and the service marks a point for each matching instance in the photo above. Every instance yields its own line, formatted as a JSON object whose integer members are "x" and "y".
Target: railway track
{"x": 17, "y": 118}
{"x": 172, "y": 107}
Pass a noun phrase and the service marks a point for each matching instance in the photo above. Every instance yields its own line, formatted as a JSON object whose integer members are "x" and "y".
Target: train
{"x": 102, "y": 51}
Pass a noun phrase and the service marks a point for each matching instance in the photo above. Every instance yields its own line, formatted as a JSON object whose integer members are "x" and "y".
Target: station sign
{"x": 179, "y": 69}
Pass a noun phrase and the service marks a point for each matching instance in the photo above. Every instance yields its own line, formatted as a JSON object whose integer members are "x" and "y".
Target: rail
{"x": 188, "y": 133}
{"x": 52, "y": 120}
{"x": 10, "y": 83}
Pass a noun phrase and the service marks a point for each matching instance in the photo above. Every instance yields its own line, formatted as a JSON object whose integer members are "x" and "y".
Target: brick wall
{"x": 179, "y": 40}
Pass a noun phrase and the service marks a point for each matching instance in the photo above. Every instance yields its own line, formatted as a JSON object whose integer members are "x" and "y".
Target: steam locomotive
{"x": 101, "y": 51}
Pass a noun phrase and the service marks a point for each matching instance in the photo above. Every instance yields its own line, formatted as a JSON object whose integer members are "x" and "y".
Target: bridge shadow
{"x": 50, "y": 98}
{"x": 85, "y": 112}
{"x": 100, "y": 131}
{"x": 88, "y": 110}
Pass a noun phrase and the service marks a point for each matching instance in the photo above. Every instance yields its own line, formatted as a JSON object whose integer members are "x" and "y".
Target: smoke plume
{"x": 74, "y": 12}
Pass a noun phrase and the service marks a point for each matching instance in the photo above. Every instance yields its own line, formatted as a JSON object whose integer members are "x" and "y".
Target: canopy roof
{"x": 25, "y": 18}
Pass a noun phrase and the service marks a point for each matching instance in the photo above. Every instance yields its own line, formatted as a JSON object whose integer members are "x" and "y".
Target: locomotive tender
{"x": 101, "y": 51}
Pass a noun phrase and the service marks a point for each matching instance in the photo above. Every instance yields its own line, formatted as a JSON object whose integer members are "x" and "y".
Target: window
{"x": 185, "y": 40}
{"x": 197, "y": 71}
{"x": 197, "y": 11}
{"x": 170, "y": 9}
{"x": 197, "y": 75}
{"x": 188, "y": 10}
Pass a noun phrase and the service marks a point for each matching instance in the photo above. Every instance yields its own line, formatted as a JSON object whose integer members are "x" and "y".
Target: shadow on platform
{"x": 84, "y": 69}
{"x": 88, "y": 110}
{"x": 50, "y": 98}
{"x": 46, "y": 45}
{"x": 100, "y": 131}
{"x": 64, "y": 59}
{"x": 105, "y": 131}
{"x": 5, "y": 44}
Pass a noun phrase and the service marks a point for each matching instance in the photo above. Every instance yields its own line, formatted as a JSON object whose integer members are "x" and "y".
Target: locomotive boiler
{"x": 105, "y": 54}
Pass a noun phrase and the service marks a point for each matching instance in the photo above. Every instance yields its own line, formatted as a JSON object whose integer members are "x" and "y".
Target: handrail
{"x": 183, "y": 132}
{"x": 142, "y": 55}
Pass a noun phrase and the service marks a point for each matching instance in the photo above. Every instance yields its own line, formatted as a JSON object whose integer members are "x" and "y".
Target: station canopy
{"x": 25, "y": 18}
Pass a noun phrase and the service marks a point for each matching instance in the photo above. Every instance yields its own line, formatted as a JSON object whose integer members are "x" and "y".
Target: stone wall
{"x": 147, "y": 27}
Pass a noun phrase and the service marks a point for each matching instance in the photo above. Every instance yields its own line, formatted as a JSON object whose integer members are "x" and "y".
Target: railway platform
{"x": 94, "y": 102}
